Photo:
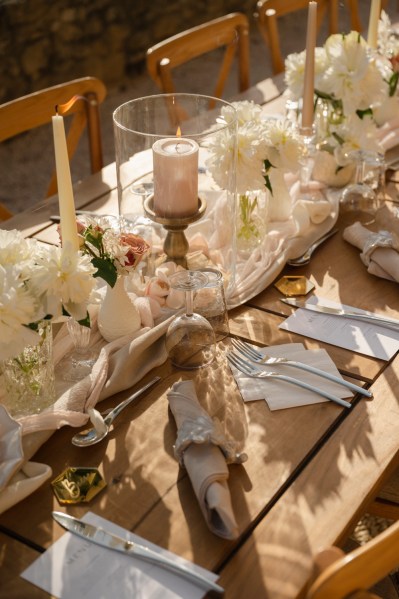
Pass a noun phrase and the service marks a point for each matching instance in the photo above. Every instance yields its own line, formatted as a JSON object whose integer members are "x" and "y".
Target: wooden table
{"x": 311, "y": 470}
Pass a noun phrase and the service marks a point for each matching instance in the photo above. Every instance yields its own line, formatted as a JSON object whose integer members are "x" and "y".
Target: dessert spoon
{"x": 305, "y": 258}
{"x": 92, "y": 435}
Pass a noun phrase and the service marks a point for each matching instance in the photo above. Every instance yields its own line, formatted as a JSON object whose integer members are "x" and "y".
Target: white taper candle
{"x": 64, "y": 182}
{"x": 372, "y": 36}
{"x": 308, "y": 86}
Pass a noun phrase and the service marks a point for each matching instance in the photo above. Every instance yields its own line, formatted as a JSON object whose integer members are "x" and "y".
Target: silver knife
{"x": 99, "y": 536}
{"x": 320, "y": 307}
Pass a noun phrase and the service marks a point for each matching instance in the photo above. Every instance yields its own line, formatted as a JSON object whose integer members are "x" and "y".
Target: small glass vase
{"x": 251, "y": 217}
{"x": 29, "y": 378}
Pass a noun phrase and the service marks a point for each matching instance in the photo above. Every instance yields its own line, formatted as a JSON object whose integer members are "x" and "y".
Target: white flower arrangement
{"x": 263, "y": 143}
{"x": 266, "y": 148}
{"x": 354, "y": 88}
{"x": 38, "y": 282}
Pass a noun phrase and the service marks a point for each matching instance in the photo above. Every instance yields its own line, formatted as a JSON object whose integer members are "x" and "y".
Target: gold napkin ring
{"x": 382, "y": 239}
{"x": 205, "y": 430}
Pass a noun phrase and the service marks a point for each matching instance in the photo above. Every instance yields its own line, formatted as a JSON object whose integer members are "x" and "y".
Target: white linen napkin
{"x": 202, "y": 448}
{"x": 380, "y": 251}
{"x": 281, "y": 394}
{"x": 120, "y": 365}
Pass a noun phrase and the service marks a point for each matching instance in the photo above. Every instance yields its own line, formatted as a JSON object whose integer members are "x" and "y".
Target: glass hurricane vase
{"x": 185, "y": 212}
{"x": 29, "y": 377}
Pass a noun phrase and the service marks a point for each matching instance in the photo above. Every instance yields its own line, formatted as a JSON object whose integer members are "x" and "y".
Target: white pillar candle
{"x": 175, "y": 177}
{"x": 308, "y": 86}
{"x": 372, "y": 36}
{"x": 64, "y": 182}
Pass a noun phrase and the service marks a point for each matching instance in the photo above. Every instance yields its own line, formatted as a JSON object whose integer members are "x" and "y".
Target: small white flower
{"x": 283, "y": 143}
{"x": 258, "y": 140}
{"x": 295, "y": 71}
{"x": 17, "y": 310}
{"x": 14, "y": 249}
{"x": 66, "y": 275}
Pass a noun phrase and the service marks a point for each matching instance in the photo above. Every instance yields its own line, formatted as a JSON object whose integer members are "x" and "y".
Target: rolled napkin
{"x": 203, "y": 449}
{"x": 380, "y": 251}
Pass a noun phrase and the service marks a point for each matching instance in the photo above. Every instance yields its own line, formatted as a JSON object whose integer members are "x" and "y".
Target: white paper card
{"x": 74, "y": 567}
{"x": 280, "y": 394}
{"x": 362, "y": 337}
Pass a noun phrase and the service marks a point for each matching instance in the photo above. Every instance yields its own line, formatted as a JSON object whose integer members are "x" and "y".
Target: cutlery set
{"x": 254, "y": 356}
{"x": 324, "y": 309}
{"x": 102, "y": 537}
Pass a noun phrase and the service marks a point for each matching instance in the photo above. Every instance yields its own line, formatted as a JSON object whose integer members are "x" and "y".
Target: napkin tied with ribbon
{"x": 380, "y": 251}
{"x": 203, "y": 449}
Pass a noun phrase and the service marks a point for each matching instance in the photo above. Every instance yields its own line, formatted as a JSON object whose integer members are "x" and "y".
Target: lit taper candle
{"x": 64, "y": 182}
{"x": 308, "y": 86}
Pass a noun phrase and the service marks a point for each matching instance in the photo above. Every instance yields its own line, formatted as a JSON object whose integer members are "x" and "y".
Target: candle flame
{"x": 178, "y": 132}
{"x": 63, "y": 109}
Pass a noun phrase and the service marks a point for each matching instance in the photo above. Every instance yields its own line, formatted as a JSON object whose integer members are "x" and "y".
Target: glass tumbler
{"x": 210, "y": 302}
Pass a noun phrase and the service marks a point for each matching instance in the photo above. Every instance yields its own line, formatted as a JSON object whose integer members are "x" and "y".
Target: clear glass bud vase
{"x": 29, "y": 377}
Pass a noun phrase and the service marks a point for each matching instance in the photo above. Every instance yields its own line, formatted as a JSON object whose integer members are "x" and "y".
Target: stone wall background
{"x": 44, "y": 42}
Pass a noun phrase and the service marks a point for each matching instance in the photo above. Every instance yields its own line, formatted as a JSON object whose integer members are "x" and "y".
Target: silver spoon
{"x": 91, "y": 436}
{"x": 305, "y": 258}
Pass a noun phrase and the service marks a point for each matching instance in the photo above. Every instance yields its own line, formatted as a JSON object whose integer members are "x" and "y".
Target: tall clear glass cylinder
{"x": 166, "y": 159}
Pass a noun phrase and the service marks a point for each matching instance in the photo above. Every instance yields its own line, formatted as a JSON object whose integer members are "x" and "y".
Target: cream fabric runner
{"x": 120, "y": 365}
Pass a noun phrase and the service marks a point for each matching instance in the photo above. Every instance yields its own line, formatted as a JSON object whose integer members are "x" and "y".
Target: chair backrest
{"x": 350, "y": 575}
{"x": 36, "y": 109}
{"x": 354, "y": 13}
{"x": 268, "y": 12}
{"x": 230, "y": 31}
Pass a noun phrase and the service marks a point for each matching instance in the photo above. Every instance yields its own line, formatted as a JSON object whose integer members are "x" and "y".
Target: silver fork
{"x": 255, "y": 356}
{"x": 255, "y": 372}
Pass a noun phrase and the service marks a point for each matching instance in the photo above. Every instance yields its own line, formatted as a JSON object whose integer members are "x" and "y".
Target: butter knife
{"x": 101, "y": 537}
{"x": 320, "y": 307}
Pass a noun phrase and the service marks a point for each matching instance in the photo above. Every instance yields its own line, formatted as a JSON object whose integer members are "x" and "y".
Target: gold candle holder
{"x": 175, "y": 245}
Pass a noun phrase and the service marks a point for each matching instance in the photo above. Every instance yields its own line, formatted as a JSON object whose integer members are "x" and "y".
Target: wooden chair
{"x": 386, "y": 504}
{"x": 349, "y": 576}
{"x": 269, "y": 11}
{"x": 355, "y": 20}
{"x": 80, "y": 98}
{"x": 230, "y": 31}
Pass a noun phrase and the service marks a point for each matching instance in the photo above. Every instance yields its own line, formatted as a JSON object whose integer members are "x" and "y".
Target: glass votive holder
{"x": 210, "y": 302}
{"x": 374, "y": 170}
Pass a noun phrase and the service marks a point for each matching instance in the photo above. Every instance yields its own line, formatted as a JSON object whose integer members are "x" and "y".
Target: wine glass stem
{"x": 359, "y": 176}
{"x": 189, "y": 303}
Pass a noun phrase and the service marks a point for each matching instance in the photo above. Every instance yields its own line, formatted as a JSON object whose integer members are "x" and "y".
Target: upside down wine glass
{"x": 361, "y": 195}
{"x": 79, "y": 362}
{"x": 190, "y": 338}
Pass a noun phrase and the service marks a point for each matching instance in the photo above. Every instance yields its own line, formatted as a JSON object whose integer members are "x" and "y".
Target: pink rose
{"x": 137, "y": 247}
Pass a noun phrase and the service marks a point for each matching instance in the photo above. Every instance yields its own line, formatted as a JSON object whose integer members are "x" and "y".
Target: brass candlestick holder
{"x": 175, "y": 245}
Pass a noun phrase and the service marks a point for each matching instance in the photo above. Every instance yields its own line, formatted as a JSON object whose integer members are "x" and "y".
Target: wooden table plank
{"x": 138, "y": 463}
{"x": 15, "y": 557}
{"x": 323, "y": 504}
{"x": 37, "y": 217}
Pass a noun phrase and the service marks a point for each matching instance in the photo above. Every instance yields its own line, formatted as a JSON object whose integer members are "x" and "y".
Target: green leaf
{"x": 105, "y": 269}
{"x": 393, "y": 84}
{"x": 85, "y": 322}
{"x": 268, "y": 184}
{"x": 339, "y": 139}
{"x": 362, "y": 113}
